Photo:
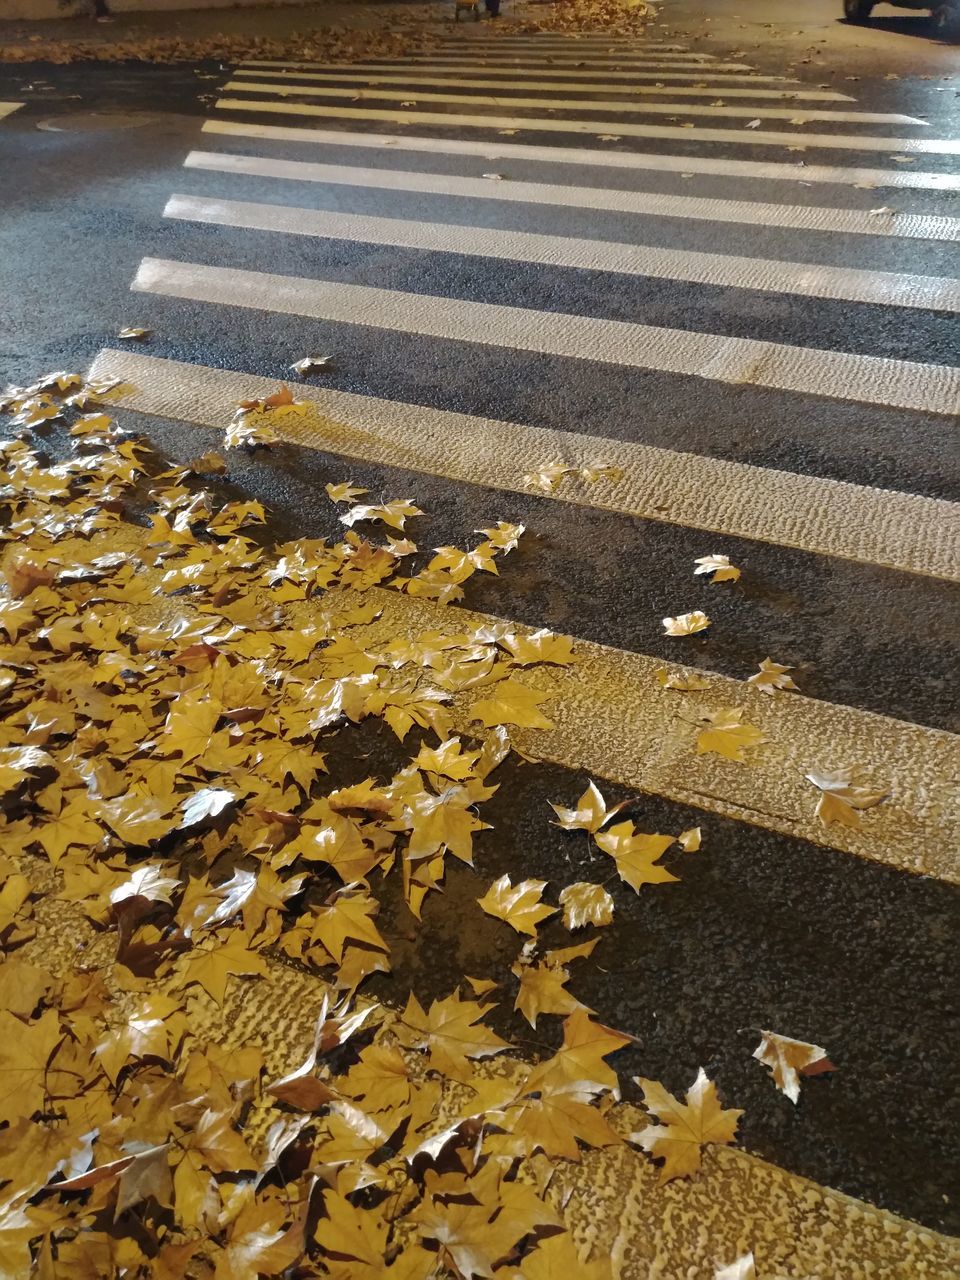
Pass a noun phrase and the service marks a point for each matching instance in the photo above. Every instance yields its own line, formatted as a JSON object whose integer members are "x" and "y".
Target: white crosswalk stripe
{"x": 884, "y": 287}
{"x": 7, "y": 108}
{"x": 599, "y": 85}
{"x": 617, "y": 106}
{"x": 872, "y": 380}
{"x": 741, "y": 212}
{"x": 456, "y": 120}
{"x": 593, "y": 159}
{"x": 452, "y": 67}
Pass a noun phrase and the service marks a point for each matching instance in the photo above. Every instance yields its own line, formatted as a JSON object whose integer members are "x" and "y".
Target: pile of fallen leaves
{"x": 398, "y": 35}
{"x": 171, "y": 687}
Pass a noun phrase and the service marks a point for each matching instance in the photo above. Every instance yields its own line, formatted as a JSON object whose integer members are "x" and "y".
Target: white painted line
{"x": 8, "y": 108}
{"x": 694, "y": 63}
{"x": 689, "y": 91}
{"x": 452, "y": 67}
{"x": 827, "y": 517}
{"x": 927, "y": 388}
{"x": 887, "y": 288}
{"x": 744, "y": 212}
{"x": 621, "y": 128}
{"x": 513, "y": 153}
{"x": 613, "y": 106}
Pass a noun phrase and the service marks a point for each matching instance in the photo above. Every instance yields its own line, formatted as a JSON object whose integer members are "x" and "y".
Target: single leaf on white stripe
{"x": 742, "y": 1269}
{"x": 512, "y": 703}
{"x": 683, "y": 681}
{"x": 790, "y": 1059}
{"x": 728, "y": 734}
{"x": 539, "y": 646}
{"x": 686, "y": 624}
{"x": 845, "y": 792}
{"x": 548, "y": 477}
{"x": 518, "y": 904}
{"x": 687, "y": 1126}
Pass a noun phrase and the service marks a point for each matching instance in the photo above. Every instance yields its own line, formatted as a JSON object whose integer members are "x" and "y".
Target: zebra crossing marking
{"x": 903, "y": 384}
{"x": 513, "y": 152}
{"x": 886, "y": 288}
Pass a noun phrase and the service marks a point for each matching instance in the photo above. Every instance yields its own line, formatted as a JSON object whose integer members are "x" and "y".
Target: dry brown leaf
{"x": 845, "y": 793}
{"x": 518, "y": 904}
{"x": 686, "y": 624}
{"x": 686, "y": 1127}
{"x": 728, "y": 734}
{"x": 789, "y": 1059}
{"x": 584, "y": 903}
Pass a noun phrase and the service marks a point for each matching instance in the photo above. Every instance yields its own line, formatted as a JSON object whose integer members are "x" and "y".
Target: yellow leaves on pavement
{"x": 542, "y": 988}
{"x": 579, "y": 1066}
{"x": 512, "y": 703}
{"x": 728, "y": 734}
{"x": 451, "y": 1032}
{"x": 590, "y": 814}
{"x": 682, "y": 681}
{"x": 503, "y": 535}
{"x": 210, "y": 965}
{"x": 518, "y": 905}
{"x": 845, "y": 793}
{"x": 772, "y": 675}
{"x": 25, "y": 1054}
{"x": 718, "y": 566}
{"x": 539, "y": 646}
{"x": 556, "y": 1258}
{"x": 686, "y": 624}
{"x": 686, "y": 1127}
{"x": 635, "y": 854}
{"x": 584, "y": 903}
{"x": 344, "y": 492}
{"x": 789, "y": 1059}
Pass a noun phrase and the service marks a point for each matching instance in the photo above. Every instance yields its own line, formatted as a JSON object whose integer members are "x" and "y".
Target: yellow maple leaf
{"x": 790, "y": 1059}
{"x": 579, "y": 1065}
{"x": 683, "y": 681}
{"x": 728, "y": 735}
{"x": 452, "y": 1032}
{"x": 542, "y": 990}
{"x": 719, "y": 566}
{"x": 348, "y": 1232}
{"x": 348, "y": 918}
{"x": 772, "y": 675}
{"x": 558, "y": 1121}
{"x": 394, "y": 513}
{"x": 584, "y": 903}
{"x": 539, "y": 646}
{"x": 548, "y": 477}
{"x": 590, "y": 814}
{"x": 844, "y": 793}
{"x": 344, "y": 492}
{"x": 636, "y": 853}
{"x": 504, "y": 536}
{"x": 512, "y": 703}
{"x": 211, "y": 966}
{"x": 517, "y": 904}
{"x": 686, "y": 1127}
{"x": 690, "y": 840}
{"x": 25, "y": 1053}
{"x": 686, "y": 624}
{"x": 556, "y": 1258}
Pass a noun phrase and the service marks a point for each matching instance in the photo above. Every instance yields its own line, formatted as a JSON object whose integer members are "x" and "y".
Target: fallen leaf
{"x": 636, "y": 854}
{"x": 845, "y": 793}
{"x": 772, "y": 675}
{"x": 728, "y": 735}
{"x": 686, "y": 624}
{"x": 686, "y": 1127}
{"x": 742, "y": 1269}
{"x": 451, "y": 1033}
{"x": 344, "y": 492}
{"x": 683, "y": 681}
{"x": 512, "y": 703}
{"x": 689, "y": 840}
{"x": 543, "y": 990}
{"x": 134, "y": 333}
{"x": 518, "y": 904}
{"x": 590, "y": 814}
{"x": 788, "y": 1060}
{"x": 752, "y": 124}
{"x": 584, "y": 903}
{"x": 312, "y": 364}
{"x": 719, "y": 566}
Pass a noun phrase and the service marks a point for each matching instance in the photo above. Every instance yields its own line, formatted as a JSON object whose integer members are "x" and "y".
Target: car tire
{"x": 946, "y": 22}
{"x": 857, "y": 10}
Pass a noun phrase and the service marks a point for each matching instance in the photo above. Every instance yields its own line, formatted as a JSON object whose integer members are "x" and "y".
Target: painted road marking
{"x": 615, "y": 106}
{"x": 515, "y": 152}
{"x": 8, "y": 108}
{"x": 690, "y": 91}
{"x": 511, "y": 68}
{"x": 901, "y": 531}
{"x": 811, "y": 280}
{"x": 748, "y": 212}
{"x": 904, "y": 384}
{"x": 758, "y": 137}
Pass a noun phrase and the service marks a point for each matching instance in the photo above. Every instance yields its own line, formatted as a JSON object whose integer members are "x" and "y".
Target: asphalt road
{"x": 766, "y": 928}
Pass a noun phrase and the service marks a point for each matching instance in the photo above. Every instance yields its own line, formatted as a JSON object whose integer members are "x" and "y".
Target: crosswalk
{"x": 512, "y": 266}
{"x": 7, "y": 108}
